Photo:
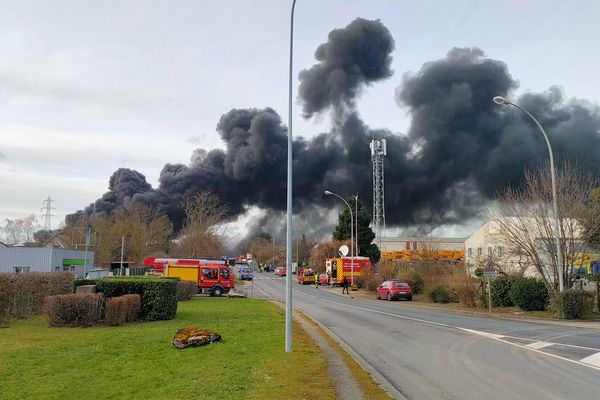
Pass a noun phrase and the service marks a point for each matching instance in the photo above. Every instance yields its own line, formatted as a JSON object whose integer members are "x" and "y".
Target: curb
{"x": 381, "y": 380}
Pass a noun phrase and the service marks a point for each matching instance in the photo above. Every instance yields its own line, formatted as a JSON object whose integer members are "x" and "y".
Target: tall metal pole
{"x": 559, "y": 256}
{"x": 88, "y": 237}
{"x": 327, "y": 192}
{"x": 288, "y": 252}
{"x": 122, "y": 251}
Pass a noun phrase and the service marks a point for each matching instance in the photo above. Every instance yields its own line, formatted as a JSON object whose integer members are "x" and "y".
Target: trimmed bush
{"x": 573, "y": 304}
{"x": 8, "y": 290}
{"x": 416, "y": 283}
{"x": 74, "y": 309}
{"x": 123, "y": 309}
{"x": 26, "y": 291}
{"x": 186, "y": 289}
{"x": 159, "y": 295}
{"x": 443, "y": 294}
{"x": 529, "y": 294}
{"x": 83, "y": 282}
{"x": 501, "y": 291}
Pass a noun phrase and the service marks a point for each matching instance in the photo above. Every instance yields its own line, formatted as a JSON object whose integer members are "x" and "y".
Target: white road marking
{"x": 491, "y": 336}
{"x": 539, "y": 345}
{"x": 594, "y": 360}
{"x": 480, "y": 333}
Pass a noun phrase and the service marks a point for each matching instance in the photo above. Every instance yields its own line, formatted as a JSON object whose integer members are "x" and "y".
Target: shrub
{"x": 123, "y": 309}
{"x": 529, "y": 294}
{"x": 26, "y": 291}
{"x": 416, "y": 283}
{"x": 8, "y": 290}
{"x": 159, "y": 296}
{"x": 186, "y": 289}
{"x": 501, "y": 291}
{"x": 463, "y": 285}
{"x": 573, "y": 304}
{"x": 369, "y": 280}
{"x": 74, "y": 309}
{"x": 83, "y": 282}
{"x": 443, "y": 294}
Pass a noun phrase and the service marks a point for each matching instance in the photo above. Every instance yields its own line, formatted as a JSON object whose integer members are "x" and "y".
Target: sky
{"x": 87, "y": 87}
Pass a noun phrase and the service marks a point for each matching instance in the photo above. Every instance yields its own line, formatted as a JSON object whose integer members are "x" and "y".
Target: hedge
{"x": 501, "y": 291}
{"x": 186, "y": 289}
{"x": 74, "y": 309}
{"x": 443, "y": 294}
{"x": 121, "y": 310}
{"x": 159, "y": 295}
{"x": 573, "y": 304}
{"x": 529, "y": 294}
{"x": 22, "y": 295}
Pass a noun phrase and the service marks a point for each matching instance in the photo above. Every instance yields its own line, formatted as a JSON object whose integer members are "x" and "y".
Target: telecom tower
{"x": 48, "y": 215}
{"x": 378, "y": 152}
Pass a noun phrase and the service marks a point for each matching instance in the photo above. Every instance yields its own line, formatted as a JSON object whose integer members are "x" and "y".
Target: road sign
{"x": 490, "y": 273}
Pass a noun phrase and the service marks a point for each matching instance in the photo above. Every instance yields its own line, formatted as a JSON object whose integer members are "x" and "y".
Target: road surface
{"x": 426, "y": 354}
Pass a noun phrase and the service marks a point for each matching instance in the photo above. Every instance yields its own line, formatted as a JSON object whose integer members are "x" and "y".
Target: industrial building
{"x": 44, "y": 259}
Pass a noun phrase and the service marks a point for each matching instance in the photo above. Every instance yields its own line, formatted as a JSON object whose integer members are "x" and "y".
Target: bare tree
{"x": 324, "y": 250}
{"x": 202, "y": 234}
{"x": 146, "y": 232}
{"x": 20, "y": 230}
{"x": 525, "y": 219}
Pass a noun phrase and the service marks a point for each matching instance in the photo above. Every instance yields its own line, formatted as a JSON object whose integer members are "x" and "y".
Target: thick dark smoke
{"x": 460, "y": 148}
{"x": 353, "y": 57}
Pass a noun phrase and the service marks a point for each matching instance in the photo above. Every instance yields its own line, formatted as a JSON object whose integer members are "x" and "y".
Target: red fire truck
{"x": 212, "y": 277}
{"x": 337, "y": 268}
{"x": 159, "y": 263}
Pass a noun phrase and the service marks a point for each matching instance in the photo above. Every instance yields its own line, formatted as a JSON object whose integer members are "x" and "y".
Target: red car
{"x": 281, "y": 272}
{"x": 323, "y": 279}
{"x": 394, "y": 289}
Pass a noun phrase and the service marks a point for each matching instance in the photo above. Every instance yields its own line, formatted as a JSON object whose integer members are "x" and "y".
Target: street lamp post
{"x": 288, "y": 253}
{"x": 502, "y": 101}
{"x": 327, "y": 192}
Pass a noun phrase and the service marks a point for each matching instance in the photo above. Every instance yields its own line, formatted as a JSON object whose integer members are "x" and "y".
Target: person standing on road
{"x": 345, "y": 285}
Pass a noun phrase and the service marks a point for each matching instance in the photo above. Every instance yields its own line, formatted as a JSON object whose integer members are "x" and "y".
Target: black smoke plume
{"x": 460, "y": 147}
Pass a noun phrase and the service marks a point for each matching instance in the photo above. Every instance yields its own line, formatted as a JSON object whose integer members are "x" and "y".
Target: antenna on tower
{"x": 48, "y": 213}
{"x": 378, "y": 153}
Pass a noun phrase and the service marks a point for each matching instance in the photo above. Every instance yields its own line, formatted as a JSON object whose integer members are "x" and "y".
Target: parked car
{"x": 394, "y": 289}
{"x": 323, "y": 279}
{"x": 282, "y": 271}
{"x": 246, "y": 275}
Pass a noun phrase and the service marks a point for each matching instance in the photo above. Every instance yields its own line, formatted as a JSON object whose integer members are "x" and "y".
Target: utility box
{"x": 84, "y": 289}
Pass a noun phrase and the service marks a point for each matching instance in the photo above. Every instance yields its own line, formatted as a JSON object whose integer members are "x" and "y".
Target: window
{"x": 21, "y": 269}
{"x": 500, "y": 251}
{"x": 479, "y": 251}
{"x": 470, "y": 252}
{"x": 225, "y": 273}
{"x": 209, "y": 273}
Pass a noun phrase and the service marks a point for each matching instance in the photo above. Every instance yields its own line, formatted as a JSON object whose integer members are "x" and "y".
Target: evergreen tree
{"x": 365, "y": 234}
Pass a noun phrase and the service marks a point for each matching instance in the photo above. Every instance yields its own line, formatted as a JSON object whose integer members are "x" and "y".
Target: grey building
{"x": 44, "y": 259}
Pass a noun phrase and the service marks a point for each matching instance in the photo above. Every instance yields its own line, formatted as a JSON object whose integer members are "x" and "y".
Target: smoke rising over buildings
{"x": 460, "y": 147}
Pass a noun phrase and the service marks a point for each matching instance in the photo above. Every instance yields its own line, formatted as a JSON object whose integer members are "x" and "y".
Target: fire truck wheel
{"x": 217, "y": 292}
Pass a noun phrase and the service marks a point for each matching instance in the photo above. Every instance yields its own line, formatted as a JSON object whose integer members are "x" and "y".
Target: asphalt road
{"x": 425, "y": 354}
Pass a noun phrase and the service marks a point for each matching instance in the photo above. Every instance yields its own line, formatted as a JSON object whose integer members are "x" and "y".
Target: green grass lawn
{"x": 138, "y": 361}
